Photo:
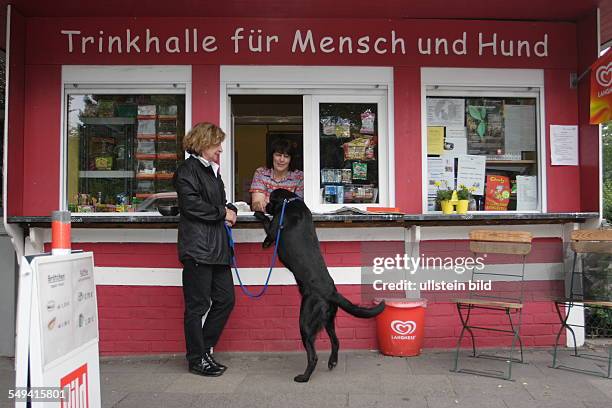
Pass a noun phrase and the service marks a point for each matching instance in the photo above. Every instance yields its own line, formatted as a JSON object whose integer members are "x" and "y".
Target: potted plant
{"x": 464, "y": 195}
{"x": 443, "y": 196}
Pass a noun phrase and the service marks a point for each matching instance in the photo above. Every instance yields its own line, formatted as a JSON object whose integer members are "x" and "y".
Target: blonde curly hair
{"x": 202, "y": 136}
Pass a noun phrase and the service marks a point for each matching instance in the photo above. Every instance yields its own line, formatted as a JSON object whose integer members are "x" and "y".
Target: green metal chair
{"x": 586, "y": 243}
{"x": 483, "y": 242}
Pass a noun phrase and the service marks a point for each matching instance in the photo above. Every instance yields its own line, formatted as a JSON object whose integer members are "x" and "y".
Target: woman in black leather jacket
{"x": 203, "y": 246}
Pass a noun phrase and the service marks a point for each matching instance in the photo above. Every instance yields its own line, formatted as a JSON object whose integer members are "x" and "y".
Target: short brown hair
{"x": 202, "y": 136}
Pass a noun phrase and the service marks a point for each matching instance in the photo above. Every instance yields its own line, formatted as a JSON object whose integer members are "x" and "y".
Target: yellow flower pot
{"x": 462, "y": 206}
{"x": 447, "y": 207}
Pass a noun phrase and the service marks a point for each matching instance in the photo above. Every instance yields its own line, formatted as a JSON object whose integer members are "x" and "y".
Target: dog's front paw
{"x": 267, "y": 243}
{"x": 301, "y": 378}
{"x": 260, "y": 216}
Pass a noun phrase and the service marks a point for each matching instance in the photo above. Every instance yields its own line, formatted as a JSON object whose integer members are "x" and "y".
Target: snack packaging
{"x": 367, "y": 122}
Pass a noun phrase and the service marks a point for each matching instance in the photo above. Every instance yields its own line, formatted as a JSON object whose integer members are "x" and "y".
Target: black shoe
{"x": 211, "y": 360}
{"x": 205, "y": 368}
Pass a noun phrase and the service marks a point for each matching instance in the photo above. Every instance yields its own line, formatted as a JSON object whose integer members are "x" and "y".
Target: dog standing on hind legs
{"x": 300, "y": 252}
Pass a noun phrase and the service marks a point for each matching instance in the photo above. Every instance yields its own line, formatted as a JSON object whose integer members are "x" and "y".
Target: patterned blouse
{"x": 264, "y": 183}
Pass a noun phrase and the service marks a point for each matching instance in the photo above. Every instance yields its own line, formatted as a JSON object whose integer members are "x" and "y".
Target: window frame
{"x": 313, "y": 83}
{"x": 467, "y": 82}
{"x": 88, "y": 79}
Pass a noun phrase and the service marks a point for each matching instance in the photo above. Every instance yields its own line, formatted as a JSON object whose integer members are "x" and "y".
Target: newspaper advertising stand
{"x": 57, "y": 330}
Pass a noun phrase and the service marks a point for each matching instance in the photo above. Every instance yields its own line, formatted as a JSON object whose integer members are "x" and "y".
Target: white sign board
{"x": 563, "y": 145}
{"x": 57, "y": 329}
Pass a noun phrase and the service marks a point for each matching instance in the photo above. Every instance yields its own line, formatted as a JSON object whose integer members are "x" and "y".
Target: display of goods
{"x": 167, "y": 112}
{"x": 101, "y": 145}
{"x": 360, "y": 194}
{"x": 329, "y": 176}
{"x": 356, "y": 148}
{"x": 127, "y": 110}
{"x": 497, "y": 193}
{"x": 360, "y": 171}
{"x": 343, "y": 128}
{"x": 329, "y": 125}
{"x": 367, "y": 122}
{"x": 106, "y": 109}
{"x": 347, "y": 176}
{"x": 147, "y": 111}
{"x": 103, "y": 162}
{"x": 146, "y": 128}
{"x": 145, "y": 149}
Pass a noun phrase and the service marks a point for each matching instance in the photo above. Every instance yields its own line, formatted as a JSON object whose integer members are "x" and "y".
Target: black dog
{"x": 300, "y": 252}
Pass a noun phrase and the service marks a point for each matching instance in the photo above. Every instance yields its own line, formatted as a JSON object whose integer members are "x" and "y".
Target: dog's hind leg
{"x": 330, "y": 327}
{"x": 310, "y": 323}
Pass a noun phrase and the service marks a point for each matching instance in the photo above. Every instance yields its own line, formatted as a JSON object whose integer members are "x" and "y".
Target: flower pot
{"x": 462, "y": 206}
{"x": 447, "y": 207}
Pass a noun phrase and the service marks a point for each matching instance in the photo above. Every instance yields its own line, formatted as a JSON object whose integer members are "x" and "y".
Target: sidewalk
{"x": 361, "y": 379}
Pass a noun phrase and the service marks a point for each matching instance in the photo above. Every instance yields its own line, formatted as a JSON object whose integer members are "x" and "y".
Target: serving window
{"x": 122, "y": 150}
{"x": 481, "y": 140}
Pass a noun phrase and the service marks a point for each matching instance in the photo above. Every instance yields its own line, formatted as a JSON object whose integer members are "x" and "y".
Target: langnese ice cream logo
{"x": 603, "y": 75}
{"x": 403, "y": 328}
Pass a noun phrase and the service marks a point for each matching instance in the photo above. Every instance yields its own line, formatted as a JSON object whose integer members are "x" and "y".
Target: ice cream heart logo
{"x": 603, "y": 75}
{"x": 403, "y": 328}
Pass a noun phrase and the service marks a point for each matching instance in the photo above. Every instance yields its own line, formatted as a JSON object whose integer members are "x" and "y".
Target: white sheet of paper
{"x": 456, "y": 132}
{"x": 459, "y": 146}
{"x": 563, "y": 145}
{"x": 526, "y": 193}
{"x": 471, "y": 172}
{"x": 520, "y": 128}
{"x": 440, "y": 169}
{"x": 445, "y": 112}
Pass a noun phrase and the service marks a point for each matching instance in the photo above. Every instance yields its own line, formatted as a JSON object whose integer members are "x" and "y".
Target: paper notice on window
{"x": 520, "y": 128}
{"x": 440, "y": 170}
{"x": 435, "y": 140}
{"x": 471, "y": 172}
{"x": 456, "y": 132}
{"x": 526, "y": 193}
{"x": 563, "y": 145}
{"x": 454, "y": 146}
{"x": 445, "y": 112}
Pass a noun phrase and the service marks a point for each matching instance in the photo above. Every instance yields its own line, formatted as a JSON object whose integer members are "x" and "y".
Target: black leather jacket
{"x": 201, "y": 197}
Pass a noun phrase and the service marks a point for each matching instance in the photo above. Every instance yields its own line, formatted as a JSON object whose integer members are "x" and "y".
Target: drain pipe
{"x": 13, "y": 231}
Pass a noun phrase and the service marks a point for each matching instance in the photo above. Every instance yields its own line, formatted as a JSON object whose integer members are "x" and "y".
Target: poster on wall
{"x": 440, "y": 170}
{"x": 563, "y": 145}
{"x": 445, "y": 112}
{"x": 520, "y": 128}
{"x": 435, "y": 140}
{"x": 526, "y": 193}
{"x": 485, "y": 126}
{"x": 471, "y": 172}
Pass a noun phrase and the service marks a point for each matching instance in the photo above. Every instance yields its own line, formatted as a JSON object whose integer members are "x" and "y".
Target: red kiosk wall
{"x": 42, "y": 139}
{"x": 408, "y": 175}
{"x": 562, "y": 182}
{"x": 16, "y": 113}
{"x": 588, "y": 135}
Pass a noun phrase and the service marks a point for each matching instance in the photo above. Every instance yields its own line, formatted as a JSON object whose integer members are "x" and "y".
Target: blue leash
{"x": 235, "y": 265}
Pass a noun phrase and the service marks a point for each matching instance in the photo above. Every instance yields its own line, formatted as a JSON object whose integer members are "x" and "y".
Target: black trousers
{"x": 206, "y": 288}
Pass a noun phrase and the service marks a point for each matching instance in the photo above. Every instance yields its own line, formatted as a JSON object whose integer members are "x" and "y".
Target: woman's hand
{"x": 230, "y": 217}
{"x": 258, "y": 202}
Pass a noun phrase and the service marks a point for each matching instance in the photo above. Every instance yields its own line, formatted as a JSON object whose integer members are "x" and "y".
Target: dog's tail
{"x": 355, "y": 310}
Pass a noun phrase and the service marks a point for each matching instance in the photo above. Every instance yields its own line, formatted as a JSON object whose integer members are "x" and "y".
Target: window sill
{"x": 151, "y": 220}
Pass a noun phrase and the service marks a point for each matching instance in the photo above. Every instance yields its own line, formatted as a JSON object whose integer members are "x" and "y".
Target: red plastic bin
{"x": 401, "y": 327}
